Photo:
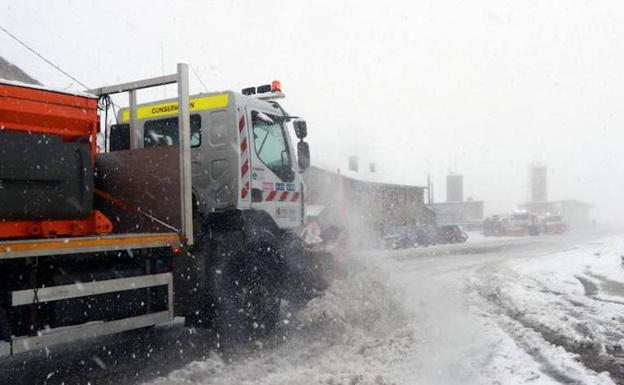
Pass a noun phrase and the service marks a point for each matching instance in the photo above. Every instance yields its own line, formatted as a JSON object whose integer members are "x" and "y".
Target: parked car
{"x": 451, "y": 234}
{"x": 406, "y": 236}
{"x": 398, "y": 237}
{"x": 425, "y": 235}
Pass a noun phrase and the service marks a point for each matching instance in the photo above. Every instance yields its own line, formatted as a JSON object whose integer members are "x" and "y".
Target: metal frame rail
{"x": 184, "y": 127}
{"x": 92, "y": 329}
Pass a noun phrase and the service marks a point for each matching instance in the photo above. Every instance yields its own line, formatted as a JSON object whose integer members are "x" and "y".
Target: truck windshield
{"x": 271, "y": 144}
{"x": 164, "y": 132}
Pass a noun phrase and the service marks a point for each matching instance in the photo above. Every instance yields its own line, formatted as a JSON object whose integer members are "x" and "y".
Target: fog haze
{"x": 480, "y": 88}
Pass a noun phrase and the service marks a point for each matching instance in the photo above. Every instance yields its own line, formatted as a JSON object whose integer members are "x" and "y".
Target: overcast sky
{"x": 483, "y": 88}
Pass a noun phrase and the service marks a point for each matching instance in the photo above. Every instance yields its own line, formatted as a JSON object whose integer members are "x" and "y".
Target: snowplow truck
{"x": 189, "y": 207}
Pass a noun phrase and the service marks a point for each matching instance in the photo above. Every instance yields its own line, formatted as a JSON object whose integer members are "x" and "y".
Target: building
{"x": 575, "y": 213}
{"x": 468, "y": 214}
{"x": 454, "y": 188}
{"x": 538, "y": 183}
{"x": 365, "y": 205}
{"x": 456, "y": 211}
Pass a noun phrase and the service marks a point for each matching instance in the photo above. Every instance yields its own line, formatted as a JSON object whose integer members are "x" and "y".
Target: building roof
{"x": 573, "y": 202}
{"x": 462, "y": 203}
{"x": 356, "y": 178}
{"x": 568, "y": 202}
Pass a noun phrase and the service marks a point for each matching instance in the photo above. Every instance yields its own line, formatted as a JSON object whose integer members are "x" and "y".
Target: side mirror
{"x": 303, "y": 155}
{"x": 301, "y": 129}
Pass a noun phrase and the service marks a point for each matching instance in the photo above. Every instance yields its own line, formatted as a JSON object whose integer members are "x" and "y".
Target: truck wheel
{"x": 5, "y": 328}
{"x": 247, "y": 291}
{"x": 305, "y": 278}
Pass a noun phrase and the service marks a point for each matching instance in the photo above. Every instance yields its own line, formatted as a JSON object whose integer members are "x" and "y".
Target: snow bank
{"x": 354, "y": 334}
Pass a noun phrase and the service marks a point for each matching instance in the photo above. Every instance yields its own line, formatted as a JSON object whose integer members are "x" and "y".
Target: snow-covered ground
{"x": 476, "y": 236}
{"x": 573, "y": 299}
{"x": 540, "y": 310}
{"x": 501, "y": 318}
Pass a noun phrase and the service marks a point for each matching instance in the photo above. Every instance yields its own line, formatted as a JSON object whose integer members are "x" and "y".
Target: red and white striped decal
{"x": 281, "y": 196}
{"x": 244, "y": 158}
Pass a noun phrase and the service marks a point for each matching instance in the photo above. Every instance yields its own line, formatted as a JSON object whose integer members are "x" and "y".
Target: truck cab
{"x": 242, "y": 156}
{"x": 523, "y": 223}
{"x": 247, "y": 197}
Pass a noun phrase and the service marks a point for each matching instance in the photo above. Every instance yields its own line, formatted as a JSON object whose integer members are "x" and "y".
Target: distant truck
{"x": 523, "y": 223}
{"x": 494, "y": 226}
{"x": 519, "y": 223}
{"x": 554, "y": 224}
{"x": 192, "y": 208}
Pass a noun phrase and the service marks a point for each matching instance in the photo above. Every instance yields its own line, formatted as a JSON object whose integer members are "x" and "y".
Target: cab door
{"x": 276, "y": 185}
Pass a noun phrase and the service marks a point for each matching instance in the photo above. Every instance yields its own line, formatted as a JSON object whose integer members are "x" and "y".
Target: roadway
{"x": 401, "y": 316}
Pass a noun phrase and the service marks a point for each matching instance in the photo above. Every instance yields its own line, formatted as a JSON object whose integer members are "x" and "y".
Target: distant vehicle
{"x": 425, "y": 235}
{"x": 554, "y": 224}
{"x": 399, "y": 237}
{"x": 523, "y": 223}
{"x": 406, "y": 236}
{"x": 493, "y": 226}
{"x": 451, "y": 234}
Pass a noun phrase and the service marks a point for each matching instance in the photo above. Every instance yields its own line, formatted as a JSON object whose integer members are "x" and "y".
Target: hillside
{"x": 10, "y": 71}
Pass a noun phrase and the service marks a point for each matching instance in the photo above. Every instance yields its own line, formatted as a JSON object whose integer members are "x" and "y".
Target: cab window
{"x": 164, "y": 132}
{"x": 271, "y": 144}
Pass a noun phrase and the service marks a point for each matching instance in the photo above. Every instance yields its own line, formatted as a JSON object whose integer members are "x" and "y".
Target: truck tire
{"x": 5, "y": 328}
{"x": 245, "y": 286}
{"x": 248, "y": 293}
{"x": 304, "y": 278}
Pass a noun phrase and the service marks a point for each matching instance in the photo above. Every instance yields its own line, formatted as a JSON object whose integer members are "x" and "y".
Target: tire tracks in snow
{"x": 591, "y": 291}
{"x": 541, "y": 341}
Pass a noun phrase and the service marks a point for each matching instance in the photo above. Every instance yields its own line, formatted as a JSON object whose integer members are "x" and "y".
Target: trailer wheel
{"x": 247, "y": 288}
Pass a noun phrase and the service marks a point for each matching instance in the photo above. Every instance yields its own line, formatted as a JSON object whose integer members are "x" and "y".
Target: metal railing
{"x": 181, "y": 78}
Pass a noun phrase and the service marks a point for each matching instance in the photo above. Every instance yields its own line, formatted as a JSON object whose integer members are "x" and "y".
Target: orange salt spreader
{"x": 47, "y": 156}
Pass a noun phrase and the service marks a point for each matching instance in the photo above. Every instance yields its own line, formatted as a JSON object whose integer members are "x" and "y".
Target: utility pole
{"x": 429, "y": 190}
